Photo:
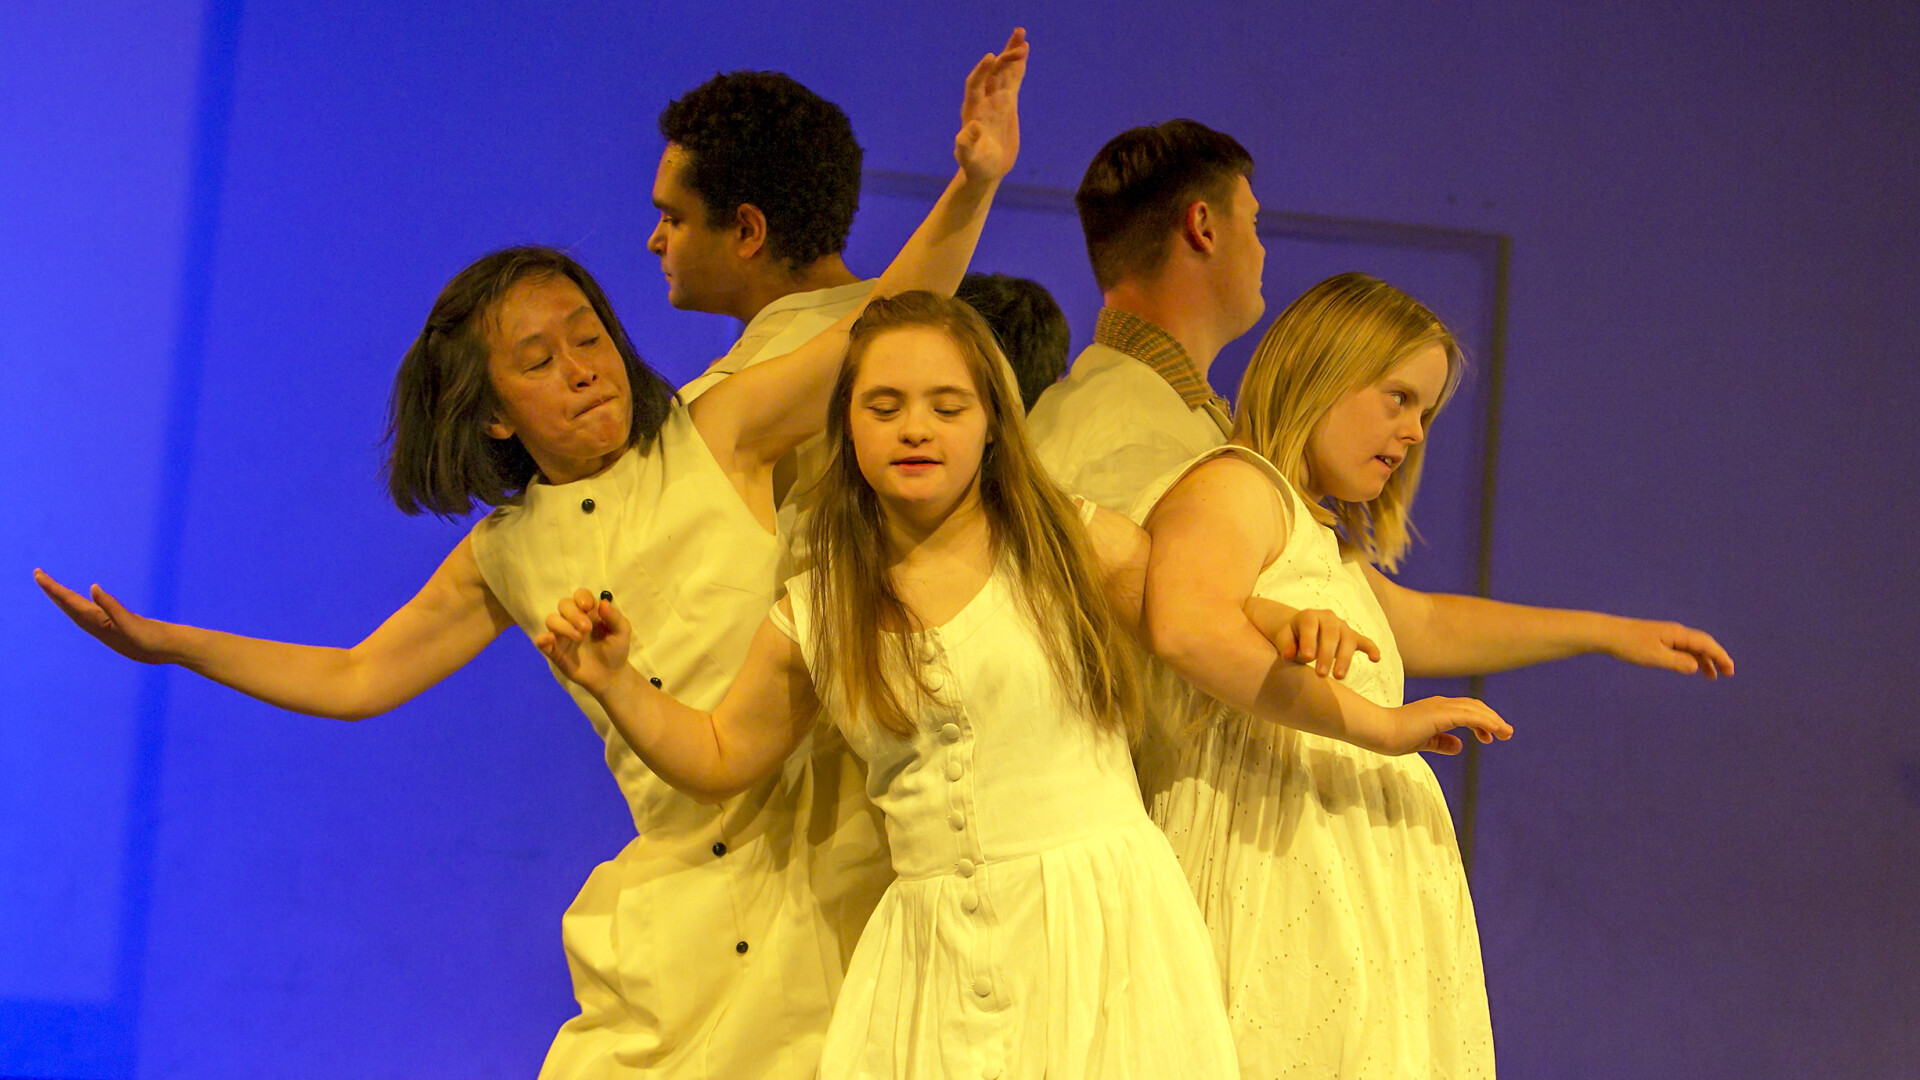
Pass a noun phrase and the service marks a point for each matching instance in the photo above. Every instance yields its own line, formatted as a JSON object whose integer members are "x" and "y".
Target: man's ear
{"x": 1198, "y": 226}
{"x": 749, "y": 231}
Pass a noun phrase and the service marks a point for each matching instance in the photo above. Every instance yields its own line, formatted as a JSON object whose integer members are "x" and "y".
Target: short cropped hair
{"x": 1029, "y": 325}
{"x": 759, "y": 137}
{"x": 1140, "y": 184}
{"x": 440, "y": 458}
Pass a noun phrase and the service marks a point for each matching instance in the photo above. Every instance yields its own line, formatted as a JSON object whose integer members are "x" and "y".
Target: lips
{"x": 595, "y": 405}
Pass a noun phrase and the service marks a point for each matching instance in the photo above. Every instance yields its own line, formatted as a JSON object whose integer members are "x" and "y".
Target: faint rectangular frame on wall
{"x": 1490, "y": 251}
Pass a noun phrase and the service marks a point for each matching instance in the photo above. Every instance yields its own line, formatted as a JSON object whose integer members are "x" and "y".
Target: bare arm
{"x": 434, "y": 634}
{"x": 1442, "y": 635}
{"x": 710, "y": 756}
{"x": 753, "y": 418}
{"x": 1212, "y": 535}
{"x": 1311, "y": 636}
{"x": 1122, "y": 550}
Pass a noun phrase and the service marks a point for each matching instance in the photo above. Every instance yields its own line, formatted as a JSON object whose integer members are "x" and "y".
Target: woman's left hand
{"x": 989, "y": 139}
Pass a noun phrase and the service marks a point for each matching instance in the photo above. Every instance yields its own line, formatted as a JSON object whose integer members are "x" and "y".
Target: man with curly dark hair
{"x": 757, "y": 191}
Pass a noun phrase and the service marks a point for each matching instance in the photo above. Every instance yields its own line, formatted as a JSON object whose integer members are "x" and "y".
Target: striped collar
{"x": 1154, "y": 347}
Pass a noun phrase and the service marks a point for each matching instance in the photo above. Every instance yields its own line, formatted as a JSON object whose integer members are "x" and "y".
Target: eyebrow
{"x": 880, "y": 391}
{"x": 572, "y": 317}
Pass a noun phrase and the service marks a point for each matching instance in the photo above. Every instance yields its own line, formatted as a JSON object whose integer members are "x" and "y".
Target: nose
{"x": 657, "y": 240}
{"x": 914, "y": 426}
{"x": 1413, "y": 428}
{"x": 578, "y": 374}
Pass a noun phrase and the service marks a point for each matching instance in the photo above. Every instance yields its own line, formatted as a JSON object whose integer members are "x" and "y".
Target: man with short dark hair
{"x": 1029, "y": 325}
{"x": 756, "y": 192}
{"x": 1170, "y": 222}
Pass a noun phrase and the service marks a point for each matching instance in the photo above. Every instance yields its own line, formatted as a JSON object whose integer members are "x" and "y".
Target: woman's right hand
{"x": 132, "y": 636}
{"x": 1427, "y": 724}
{"x": 586, "y": 638}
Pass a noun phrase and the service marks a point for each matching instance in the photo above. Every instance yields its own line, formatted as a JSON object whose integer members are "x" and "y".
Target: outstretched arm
{"x": 710, "y": 756}
{"x": 445, "y": 625}
{"x": 1442, "y": 635}
{"x": 753, "y": 418}
{"x": 1212, "y": 534}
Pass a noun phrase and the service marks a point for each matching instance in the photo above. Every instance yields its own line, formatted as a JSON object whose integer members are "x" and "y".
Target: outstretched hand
{"x": 1671, "y": 646}
{"x": 586, "y": 638}
{"x": 989, "y": 139}
{"x": 1428, "y": 725}
{"x": 132, "y": 636}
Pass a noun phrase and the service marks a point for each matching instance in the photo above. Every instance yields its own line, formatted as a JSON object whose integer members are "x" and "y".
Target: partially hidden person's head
{"x": 1029, "y": 325}
{"x": 761, "y": 177}
{"x": 925, "y": 419}
{"x": 1339, "y": 396}
{"x": 522, "y": 369}
{"x": 1175, "y": 198}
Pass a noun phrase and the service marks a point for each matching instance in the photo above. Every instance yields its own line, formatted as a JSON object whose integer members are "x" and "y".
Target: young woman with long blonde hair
{"x": 966, "y": 627}
{"x": 1322, "y": 853}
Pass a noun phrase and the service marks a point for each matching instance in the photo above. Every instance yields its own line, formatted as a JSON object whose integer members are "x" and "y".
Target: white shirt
{"x": 1114, "y": 425}
{"x": 778, "y": 329}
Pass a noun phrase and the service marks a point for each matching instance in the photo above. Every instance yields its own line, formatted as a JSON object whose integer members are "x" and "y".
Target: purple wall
{"x": 230, "y": 222}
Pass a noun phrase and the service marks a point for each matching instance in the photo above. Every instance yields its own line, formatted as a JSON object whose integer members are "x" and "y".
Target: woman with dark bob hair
{"x": 712, "y": 945}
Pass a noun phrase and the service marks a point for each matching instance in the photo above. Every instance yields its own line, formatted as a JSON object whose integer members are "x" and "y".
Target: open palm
{"x": 989, "y": 139}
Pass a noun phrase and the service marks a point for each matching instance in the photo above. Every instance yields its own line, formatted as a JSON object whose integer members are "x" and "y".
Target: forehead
{"x": 1243, "y": 201}
{"x": 667, "y": 184}
{"x": 1424, "y": 369}
{"x": 535, "y": 305}
{"x": 912, "y": 358}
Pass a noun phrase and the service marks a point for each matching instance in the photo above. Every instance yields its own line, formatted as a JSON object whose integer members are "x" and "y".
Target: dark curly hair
{"x": 759, "y": 137}
{"x": 439, "y": 457}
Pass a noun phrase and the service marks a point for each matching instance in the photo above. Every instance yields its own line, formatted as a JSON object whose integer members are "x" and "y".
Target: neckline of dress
{"x": 966, "y": 610}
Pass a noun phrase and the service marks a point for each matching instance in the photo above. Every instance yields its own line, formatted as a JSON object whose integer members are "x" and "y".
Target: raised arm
{"x": 445, "y": 625}
{"x": 751, "y": 419}
{"x": 1442, "y": 635}
{"x": 1212, "y": 534}
{"x": 767, "y": 711}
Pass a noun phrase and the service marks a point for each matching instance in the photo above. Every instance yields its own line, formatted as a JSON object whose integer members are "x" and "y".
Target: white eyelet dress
{"x": 1329, "y": 875}
{"x": 1038, "y": 924}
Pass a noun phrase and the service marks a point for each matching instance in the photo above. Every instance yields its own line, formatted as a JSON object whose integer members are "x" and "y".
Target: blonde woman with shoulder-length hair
{"x": 1321, "y": 849}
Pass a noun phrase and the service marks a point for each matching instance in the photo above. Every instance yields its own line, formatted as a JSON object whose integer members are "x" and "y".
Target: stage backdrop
{"x": 222, "y": 224}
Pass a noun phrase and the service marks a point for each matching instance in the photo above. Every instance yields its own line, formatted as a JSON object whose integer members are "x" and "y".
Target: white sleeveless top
{"x": 702, "y": 949}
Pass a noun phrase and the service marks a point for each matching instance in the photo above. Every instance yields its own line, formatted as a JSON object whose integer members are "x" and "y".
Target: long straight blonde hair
{"x": 1034, "y": 527}
{"x": 1341, "y": 335}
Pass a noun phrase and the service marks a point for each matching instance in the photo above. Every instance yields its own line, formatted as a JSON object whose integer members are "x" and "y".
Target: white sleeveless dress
{"x": 1038, "y": 925}
{"x": 711, "y": 946}
{"x": 1329, "y": 875}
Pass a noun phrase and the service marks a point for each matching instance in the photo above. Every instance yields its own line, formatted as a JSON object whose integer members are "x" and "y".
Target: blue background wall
{"x": 222, "y": 225}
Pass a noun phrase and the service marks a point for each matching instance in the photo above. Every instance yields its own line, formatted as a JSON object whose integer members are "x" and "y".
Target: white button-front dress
{"x": 711, "y": 946}
{"x": 1038, "y": 924}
